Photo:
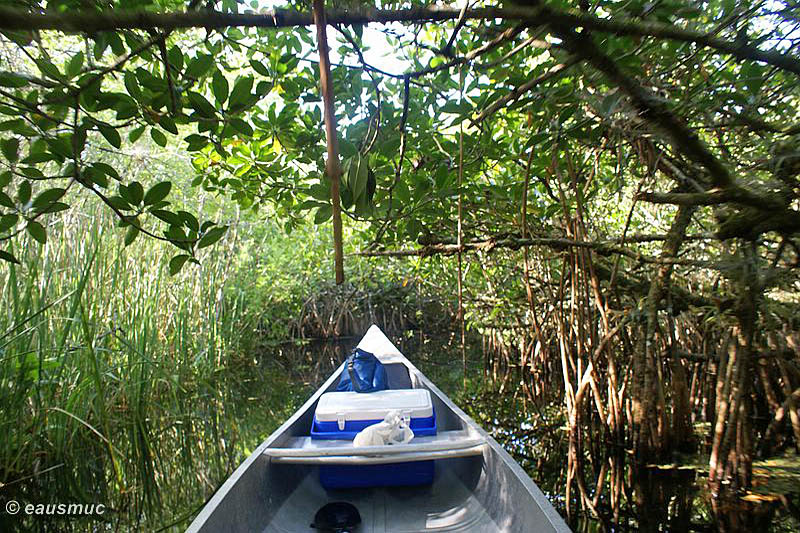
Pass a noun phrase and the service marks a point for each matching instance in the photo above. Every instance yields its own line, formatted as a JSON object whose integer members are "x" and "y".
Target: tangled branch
{"x": 93, "y": 21}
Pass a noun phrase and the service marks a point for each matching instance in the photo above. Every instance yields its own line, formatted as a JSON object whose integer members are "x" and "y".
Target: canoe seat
{"x": 443, "y": 445}
{"x": 397, "y": 376}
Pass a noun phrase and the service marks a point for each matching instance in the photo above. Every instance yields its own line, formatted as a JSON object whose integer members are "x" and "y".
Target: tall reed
{"x": 110, "y": 382}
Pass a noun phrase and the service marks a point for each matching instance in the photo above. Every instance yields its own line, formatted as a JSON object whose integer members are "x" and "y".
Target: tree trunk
{"x": 649, "y": 427}
{"x": 731, "y": 462}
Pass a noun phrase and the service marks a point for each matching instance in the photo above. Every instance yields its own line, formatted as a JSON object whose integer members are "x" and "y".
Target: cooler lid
{"x": 414, "y": 403}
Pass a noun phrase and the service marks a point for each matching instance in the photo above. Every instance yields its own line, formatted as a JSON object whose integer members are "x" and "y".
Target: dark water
{"x": 229, "y": 415}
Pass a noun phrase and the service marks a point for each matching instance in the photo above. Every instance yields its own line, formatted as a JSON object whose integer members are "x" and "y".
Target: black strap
{"x": 353, "y": 376}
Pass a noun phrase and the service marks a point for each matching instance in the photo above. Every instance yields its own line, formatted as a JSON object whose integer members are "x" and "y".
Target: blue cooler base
{"x": 422, "y": 427}
{"x": 391, "y": 475}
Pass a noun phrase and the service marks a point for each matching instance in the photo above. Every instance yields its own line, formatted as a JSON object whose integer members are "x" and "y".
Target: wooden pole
{"x": 332, "y": 166}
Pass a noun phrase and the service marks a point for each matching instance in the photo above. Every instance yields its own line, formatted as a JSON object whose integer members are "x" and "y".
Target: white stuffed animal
{"x": 393, "y": 430}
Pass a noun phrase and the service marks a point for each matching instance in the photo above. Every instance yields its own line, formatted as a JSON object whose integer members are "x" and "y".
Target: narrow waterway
{"x": 241, "y": 406}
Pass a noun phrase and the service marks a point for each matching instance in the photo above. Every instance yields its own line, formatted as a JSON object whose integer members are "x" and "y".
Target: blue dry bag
{"x": 362, "y": 373}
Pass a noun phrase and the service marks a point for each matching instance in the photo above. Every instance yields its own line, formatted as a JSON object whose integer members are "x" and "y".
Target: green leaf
{"x": 212, "y": 236}
{"x": 309, "y": 204}
{"x": 111, "y": 134}
{"x": 178, "y": 237}
{"x": 131, "y": 235}
{"x": 320, "y": 191}
{"x": 177, "y": 262}
{"x": 55, "y": 207}
{"x": 108, "y": 170}
{"x": 390, "y": 146}
{"x": 219, "y": 86}
{"x": 456, "y": 108}
{"x": 10, "y": 148}
{"x": 135, "y": 192}
{"x": 323, "y": 214}
{"x": 33, "y": 172}
{"x": 60, "y": 146}
{"x": 346, "y": 197}
{"x": 73, "y": 67}
{"x": 360, "y": 184}
{"x": 175, "y": 57}
{"x": 34, "y": 159}
{"x": 132, "y": 85}
{"x": 242, "y": 127}
{"x": 136, "y": 133}
{"x": 9, "y": 79}
{"x": 753, "y": 77}
{"x": 199, "y": 103}
{"x": 7, "y": 222}
{"x": 263, "y": 88}
{"x": 48, "y": 69}
{"x": 24, "y": 192}
{"x": 14, "y": 125}
{"x": 241, "y": 91}
{"x": 168, "y": 124}
{"x": 363, "y": 207}
{"x": 8, "y": 256}
{"x": 167, "y": 216}
{"x": 37, "y": 231}
{"x": 118, "y": 202}
{"x": 96, "y": 177}
{"x": 347, "y": 149}
{"x": 115, "y": 41}
{"x": 189, "y": 220}
{"x": 259, "y": 67}
{"x": 150, "y": 82}
{"x": 196, "y": 142}
{"x": 47, "y": 197}
{"x": 5, "y": 200}
{"x": 126, "y": 108}
{"x": 157, "y": 192}
{"x": 199, "y": 65}
{"x": 159, "y": 138}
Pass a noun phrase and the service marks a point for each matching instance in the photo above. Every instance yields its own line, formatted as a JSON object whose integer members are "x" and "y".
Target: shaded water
{"x": 240, "y": 407}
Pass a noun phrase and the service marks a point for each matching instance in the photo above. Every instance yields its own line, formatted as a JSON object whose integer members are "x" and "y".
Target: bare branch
{"x": 714, "y": 197}
{"x": 555, "y": 243}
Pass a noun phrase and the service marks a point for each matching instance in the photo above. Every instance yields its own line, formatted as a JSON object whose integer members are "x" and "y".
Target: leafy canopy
{"x": 540, "y": 115}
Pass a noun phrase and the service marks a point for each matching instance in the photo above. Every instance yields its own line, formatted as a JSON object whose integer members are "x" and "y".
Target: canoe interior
{"x": 485, "y": 493}
{"x": 447, "y": 505}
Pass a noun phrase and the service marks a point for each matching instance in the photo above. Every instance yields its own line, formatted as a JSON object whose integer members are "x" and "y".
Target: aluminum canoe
{"x": 477, "y": 487}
